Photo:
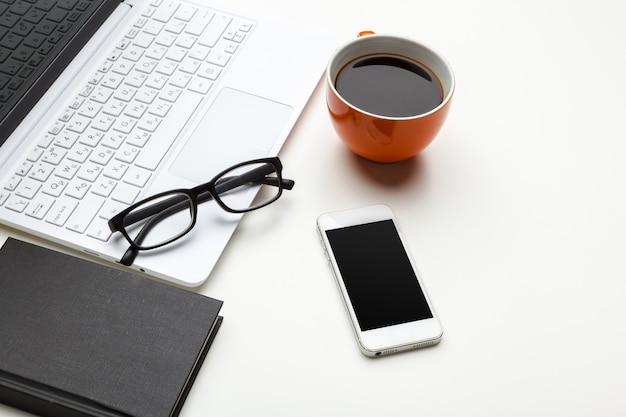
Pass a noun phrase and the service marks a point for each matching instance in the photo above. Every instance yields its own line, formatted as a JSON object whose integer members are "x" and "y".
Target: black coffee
{"x": 389, "y": 85}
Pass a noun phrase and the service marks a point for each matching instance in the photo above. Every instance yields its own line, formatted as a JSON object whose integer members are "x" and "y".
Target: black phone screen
{"x": 380, "y": 281}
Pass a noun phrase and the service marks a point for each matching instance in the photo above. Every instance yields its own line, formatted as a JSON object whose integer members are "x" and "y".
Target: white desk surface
{"x": 516, "y": 215}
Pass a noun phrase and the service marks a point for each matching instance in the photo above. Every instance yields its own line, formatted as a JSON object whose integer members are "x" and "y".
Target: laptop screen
{"x": 38, "y": 38}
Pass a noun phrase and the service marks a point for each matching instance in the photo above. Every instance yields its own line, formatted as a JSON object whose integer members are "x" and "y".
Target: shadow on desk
{"x": 392, "y": 174}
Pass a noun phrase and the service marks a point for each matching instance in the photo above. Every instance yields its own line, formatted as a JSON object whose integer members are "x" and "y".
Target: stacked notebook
{"x": 81, "y": 339}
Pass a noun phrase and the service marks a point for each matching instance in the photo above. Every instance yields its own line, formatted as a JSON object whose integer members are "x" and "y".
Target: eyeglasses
{"x": 168, "y": 216}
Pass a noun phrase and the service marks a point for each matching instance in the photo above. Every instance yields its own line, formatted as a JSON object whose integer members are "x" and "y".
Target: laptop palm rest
{"x": 237, "y": 127}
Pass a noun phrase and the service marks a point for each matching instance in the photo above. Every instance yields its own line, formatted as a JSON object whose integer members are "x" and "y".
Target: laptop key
{"x": 3, "y": 196}
{"x": 61, "y": 211}
{"x": 214, "y": 31}
{"x": 99, "y": 229}
{"x": 199, "y": 22}
{"x": 40, "y": 207}
{"x": 28, "y": 188}
{"x": 125, "y": 193}
{"x": 89, "y": 208}
{"x": 16, "y": 204}
{"x": 165, "y": 12}
{"x": 78, "y": 190}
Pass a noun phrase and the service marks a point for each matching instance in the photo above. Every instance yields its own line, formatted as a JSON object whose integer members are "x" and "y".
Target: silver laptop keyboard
{"x": 104, "y": 147}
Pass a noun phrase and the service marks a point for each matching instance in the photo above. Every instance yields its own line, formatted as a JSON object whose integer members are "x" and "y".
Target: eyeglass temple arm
{"x": 160, "y": 207}
{"x": 257, "y": 175}
{"x": 286, "y": 184}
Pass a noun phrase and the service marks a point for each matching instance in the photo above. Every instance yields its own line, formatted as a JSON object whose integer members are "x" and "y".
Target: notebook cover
{"x": 78, "y": 338}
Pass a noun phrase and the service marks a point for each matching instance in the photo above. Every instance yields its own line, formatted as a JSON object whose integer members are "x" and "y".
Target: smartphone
{"x": 385, "y": 297}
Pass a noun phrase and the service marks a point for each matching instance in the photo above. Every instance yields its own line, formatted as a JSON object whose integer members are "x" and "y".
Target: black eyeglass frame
{"x": 185, "y": 198}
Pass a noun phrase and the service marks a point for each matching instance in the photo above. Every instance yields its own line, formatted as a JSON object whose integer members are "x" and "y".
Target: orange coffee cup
{"x": 387, "y": 134}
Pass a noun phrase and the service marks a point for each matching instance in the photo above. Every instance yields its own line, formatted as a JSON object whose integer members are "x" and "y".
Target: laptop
{"x": 142, "y": 96}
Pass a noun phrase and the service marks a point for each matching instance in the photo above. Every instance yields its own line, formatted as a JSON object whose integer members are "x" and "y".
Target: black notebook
{"x": 78, "y": 338}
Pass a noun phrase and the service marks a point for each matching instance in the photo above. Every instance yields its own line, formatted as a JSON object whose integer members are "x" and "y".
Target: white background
{"x": 516, "y": 216}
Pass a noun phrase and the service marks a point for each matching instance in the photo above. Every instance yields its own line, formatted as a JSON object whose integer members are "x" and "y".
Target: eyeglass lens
{"x": 252, "y": 194}
{"x": 161, "y": 226}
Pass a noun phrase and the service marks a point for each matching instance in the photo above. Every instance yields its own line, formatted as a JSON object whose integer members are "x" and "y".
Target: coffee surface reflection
{"x": 389, "y": 85}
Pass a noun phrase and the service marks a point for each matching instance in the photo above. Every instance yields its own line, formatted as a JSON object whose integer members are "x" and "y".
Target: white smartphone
{"x": 382, "y": 290}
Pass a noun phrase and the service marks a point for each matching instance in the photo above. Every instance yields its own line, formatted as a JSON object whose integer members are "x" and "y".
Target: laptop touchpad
{"x": 237, "y": 127}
